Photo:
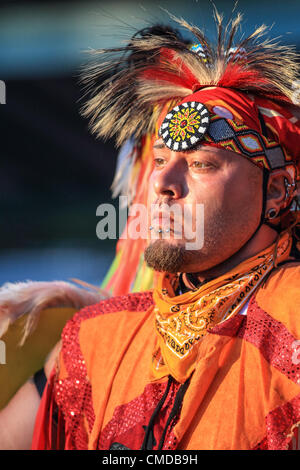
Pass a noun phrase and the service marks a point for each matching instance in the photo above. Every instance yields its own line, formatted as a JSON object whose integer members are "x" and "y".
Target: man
{"x": 208, "y": 360}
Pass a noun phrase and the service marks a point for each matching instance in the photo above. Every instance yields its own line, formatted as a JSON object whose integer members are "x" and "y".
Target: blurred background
{"x": 54, "y": 174}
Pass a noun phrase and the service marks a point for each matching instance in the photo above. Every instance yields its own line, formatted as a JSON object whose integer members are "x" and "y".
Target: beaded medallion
{"x": 185, "y": 125}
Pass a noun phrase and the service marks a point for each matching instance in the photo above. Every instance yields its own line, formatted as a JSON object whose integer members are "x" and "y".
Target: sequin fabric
{"x": 129, "y": 421}
{"x": 275, "y": 343}
{"x": 281, "y": 420}
{"x": 73, "y": 394}
{"x": 171, "y": 441}
{"x": 270, "y": 336}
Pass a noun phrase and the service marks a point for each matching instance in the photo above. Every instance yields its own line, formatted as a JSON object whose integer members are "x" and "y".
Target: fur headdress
{"x": 129, "y": 85}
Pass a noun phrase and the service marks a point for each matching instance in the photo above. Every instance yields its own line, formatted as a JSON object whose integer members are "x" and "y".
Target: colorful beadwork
{"x": 185, "y": 125}
{"x": 239, "y": 138}
{"x": 202, "y": 52}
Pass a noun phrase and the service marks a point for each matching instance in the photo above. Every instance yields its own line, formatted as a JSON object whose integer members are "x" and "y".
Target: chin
{"x": 165, "y": 255}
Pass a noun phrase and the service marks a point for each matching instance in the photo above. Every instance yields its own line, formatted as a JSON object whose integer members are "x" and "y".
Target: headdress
{"x": 237, "y": 96}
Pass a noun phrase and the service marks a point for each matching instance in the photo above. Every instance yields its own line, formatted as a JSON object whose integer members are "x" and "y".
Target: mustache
{"x": 173, "y": 211}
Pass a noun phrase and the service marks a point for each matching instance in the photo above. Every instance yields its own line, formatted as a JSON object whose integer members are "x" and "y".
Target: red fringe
{"x": 49, "y": 430}
{"x": 186, "y": 78}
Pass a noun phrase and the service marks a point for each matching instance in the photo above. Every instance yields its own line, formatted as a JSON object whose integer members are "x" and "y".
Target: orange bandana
{"x": 181, "y": 321}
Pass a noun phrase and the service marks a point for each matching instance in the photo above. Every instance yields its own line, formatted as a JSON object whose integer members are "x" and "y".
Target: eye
{"x": 201, "y": 165}
{"x": 158, "y": 161}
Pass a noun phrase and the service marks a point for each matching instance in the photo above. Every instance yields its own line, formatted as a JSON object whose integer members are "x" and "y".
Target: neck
{"x": 262, "y": 240}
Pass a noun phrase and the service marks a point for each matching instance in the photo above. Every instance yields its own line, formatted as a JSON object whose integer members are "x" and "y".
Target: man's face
{"x": 229, "y": 188}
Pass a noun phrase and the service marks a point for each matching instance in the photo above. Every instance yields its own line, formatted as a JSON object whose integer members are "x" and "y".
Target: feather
{"x": 125, "y": 85}
{"x": 17, "y": 299}
{"x": 122, "y": 183}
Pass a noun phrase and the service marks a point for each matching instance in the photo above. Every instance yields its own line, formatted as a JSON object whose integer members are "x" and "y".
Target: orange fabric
{"x": 182, "y": 321}
{"x": 285, "y": 284}
{"x": 123, "y": 377}
{"x": 244, "y": 390}
{"x": 221, "y": 407}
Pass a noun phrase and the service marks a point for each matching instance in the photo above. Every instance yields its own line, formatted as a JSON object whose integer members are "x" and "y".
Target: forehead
{"x": 224, "y": 154}
{"x": 159, "y": 144}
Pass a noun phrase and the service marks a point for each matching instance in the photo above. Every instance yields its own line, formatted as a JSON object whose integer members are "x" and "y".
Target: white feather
{"x": 31, "y": 297}
{"x": 121, "y": 184}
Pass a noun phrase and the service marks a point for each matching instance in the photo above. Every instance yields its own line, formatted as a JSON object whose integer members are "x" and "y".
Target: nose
{"x": 170, "y": 180}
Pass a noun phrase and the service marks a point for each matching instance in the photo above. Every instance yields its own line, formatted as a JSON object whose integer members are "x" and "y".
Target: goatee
{"x": 162, "y": 256}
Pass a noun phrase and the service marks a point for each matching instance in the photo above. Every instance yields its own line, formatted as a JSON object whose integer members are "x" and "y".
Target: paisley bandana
{"x": 181, "y": 321}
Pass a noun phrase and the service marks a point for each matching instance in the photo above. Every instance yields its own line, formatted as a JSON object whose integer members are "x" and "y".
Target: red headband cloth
{"x": 235, "y": 125}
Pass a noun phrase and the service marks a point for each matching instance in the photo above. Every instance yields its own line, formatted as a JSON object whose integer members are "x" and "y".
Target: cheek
{"x": 241, "y": 198}
{"x": 210, "y": 191}
{"x": 226, "y": 193}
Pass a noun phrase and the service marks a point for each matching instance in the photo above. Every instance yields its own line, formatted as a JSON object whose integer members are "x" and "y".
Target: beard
{"x": 162, "y": 256}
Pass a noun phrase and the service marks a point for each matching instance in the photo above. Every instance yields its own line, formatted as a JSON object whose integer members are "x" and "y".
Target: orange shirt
{"x": 243, "y": 394}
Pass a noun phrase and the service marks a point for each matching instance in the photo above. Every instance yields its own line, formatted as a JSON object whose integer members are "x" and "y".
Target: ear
{"x": 277, "y": 195}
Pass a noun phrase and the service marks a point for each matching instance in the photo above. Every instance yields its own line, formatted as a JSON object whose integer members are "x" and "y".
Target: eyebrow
{"x": 159, "y": 145}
